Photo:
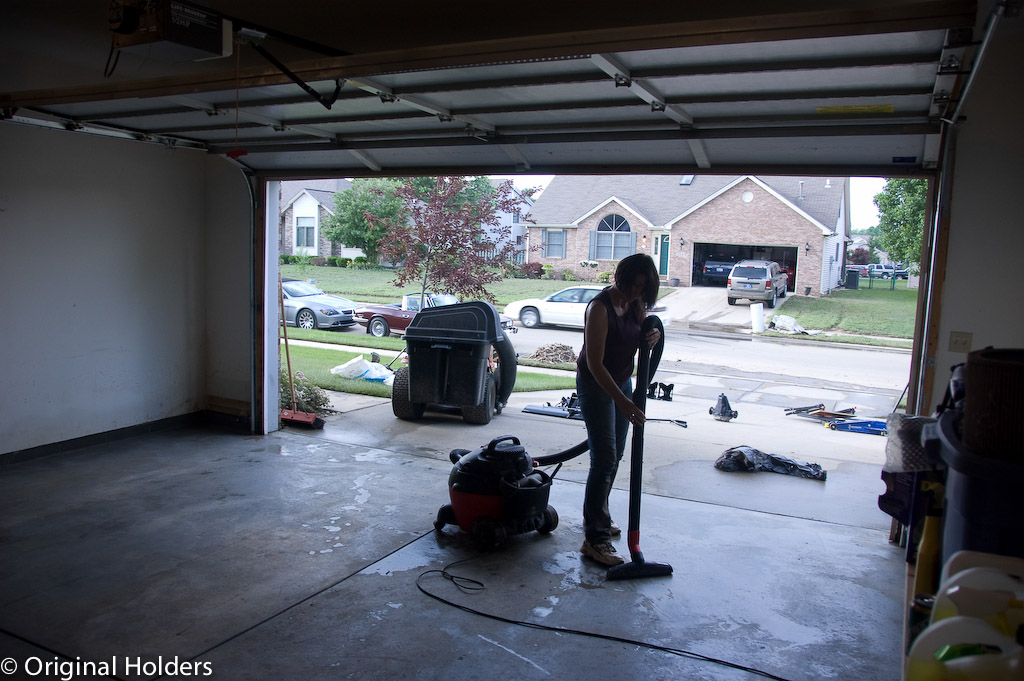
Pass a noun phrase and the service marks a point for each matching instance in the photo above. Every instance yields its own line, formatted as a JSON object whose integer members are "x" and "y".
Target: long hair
{"x": 629, "y": 268}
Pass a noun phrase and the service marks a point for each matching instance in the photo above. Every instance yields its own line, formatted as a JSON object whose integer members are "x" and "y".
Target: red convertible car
{"x": 394, "y": 318}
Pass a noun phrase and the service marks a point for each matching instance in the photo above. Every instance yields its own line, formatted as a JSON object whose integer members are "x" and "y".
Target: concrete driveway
{"x": 705, "y": 308}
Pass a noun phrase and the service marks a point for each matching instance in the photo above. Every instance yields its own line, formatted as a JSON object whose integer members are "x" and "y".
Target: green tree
{"x": 901, "y": 211}
{"x": 349, "y": 225}
{"x": 450, "y": 238}
{"x": 477, "y": 189}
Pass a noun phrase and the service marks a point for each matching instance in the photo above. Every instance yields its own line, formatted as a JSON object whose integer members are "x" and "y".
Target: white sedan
{"x": 564, "y": 308}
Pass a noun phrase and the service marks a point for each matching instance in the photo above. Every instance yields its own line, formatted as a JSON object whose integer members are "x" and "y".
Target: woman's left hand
{"x": 652, "y": 337}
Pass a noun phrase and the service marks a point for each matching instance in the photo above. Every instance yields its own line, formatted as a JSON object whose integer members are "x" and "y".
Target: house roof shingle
{"x": 661, "y": 198}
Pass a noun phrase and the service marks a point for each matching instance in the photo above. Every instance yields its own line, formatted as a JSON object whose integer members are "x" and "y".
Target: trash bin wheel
{"x": 479, "y": 414}
{"x": 400, "y": 403}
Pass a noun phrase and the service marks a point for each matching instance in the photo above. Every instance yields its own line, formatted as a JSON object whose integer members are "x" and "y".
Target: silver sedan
{"x": 307, "y": 307}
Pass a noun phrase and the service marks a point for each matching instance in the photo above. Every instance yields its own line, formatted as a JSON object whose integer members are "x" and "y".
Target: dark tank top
{"x": 621, "y": 345}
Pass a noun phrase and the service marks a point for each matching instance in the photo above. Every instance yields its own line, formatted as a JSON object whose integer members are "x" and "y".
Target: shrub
{"x": 569, "y": 275}
{"x": 604, "y": 277}
{"x": 287, "y": 259}
{"x": 334, "y": 261}
{"x": 308, "y": 397}
{"x": 548, "y": 271}
{"x": 345, "y": 262}
{"x": 360, "y": 260}
{"x": 531, "y": 270}
{"x": 318, "y": 261}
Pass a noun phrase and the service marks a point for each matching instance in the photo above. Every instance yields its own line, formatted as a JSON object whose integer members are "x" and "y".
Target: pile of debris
{"x": 555, "y": 353}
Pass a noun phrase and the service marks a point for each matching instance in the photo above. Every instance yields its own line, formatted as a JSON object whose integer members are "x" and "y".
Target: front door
{"x": 663, "y": 260}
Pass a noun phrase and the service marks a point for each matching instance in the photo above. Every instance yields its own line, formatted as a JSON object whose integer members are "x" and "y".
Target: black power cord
{"x": 469, "y": 585}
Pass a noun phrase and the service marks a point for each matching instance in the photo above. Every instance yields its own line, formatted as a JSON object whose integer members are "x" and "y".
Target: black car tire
{"x": 530, "y": 317}
{"x": 401, "y": 405}
{"x": 732, "y": 301}
{"x": 784, "y": 292}
{"x": 771, "y": 303}
{"x": 305, "y": 319}
{"x": 378, "y": 327}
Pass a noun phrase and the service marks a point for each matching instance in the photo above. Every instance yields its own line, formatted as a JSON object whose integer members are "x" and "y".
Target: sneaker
{"x": 615, "y": 530}
{"x": 602, "y": 553}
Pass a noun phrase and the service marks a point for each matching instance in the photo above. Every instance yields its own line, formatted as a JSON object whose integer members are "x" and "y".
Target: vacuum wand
{"x": 638, "y": 567}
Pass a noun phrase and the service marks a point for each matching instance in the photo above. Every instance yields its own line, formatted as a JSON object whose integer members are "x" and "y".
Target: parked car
{"x": 307, "y": 307}
{"x": 901, "y": 272}
{"x": 760, "y": 280}
{"x": 384, "y": 319}
{"x": 564, "y": 308}
{"x": 567, "y": 307}
{"x": 861, "y": 270}
{"x": 716, "y": 271}
{"x": 876, "y": 271}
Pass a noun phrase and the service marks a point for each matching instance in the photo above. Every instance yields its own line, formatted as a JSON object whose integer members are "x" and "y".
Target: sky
{"x": 863, "y": 213}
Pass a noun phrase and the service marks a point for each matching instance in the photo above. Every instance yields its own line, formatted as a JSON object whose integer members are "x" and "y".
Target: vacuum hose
{"x": 651, "y": 322}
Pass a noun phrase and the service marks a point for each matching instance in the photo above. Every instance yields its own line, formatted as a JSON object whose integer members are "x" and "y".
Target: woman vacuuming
{"x": 611, "y": 338}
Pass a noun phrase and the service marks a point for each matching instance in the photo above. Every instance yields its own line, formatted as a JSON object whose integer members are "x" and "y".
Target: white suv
{"x": 761, "y": 280}
{"x": 876, "y": 271}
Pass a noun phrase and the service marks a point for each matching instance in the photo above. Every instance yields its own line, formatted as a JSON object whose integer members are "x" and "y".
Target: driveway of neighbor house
{"x": 704, "y": 308}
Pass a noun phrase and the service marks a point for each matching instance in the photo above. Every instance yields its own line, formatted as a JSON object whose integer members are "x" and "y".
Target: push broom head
{"x": 302, "y": 419}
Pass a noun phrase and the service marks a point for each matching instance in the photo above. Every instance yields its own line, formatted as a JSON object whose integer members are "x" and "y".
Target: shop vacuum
{"x": 499, "y": 490}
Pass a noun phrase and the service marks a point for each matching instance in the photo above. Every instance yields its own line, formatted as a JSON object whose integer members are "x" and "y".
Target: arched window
{"x": 613, "y": 239}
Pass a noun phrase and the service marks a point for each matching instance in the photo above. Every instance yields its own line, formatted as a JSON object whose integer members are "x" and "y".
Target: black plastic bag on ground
{"x": 744, "y": 458}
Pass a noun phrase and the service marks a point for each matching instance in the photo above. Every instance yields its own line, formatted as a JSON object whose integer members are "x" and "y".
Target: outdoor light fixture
{"x": 807, "y": 248}
{"x": 682, "y": 241}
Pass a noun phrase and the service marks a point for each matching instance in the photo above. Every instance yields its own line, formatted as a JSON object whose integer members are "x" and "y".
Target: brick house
{"x": 682, "y": 221}
{"x": 306, "y": 205}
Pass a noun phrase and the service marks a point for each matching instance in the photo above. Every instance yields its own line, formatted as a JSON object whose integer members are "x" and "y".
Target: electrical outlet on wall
{"x": 960, "y": 341}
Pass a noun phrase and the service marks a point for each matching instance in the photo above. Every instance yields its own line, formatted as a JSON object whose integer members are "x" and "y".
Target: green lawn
{"x": 878, "y": 312}
{"x": 316, "y": 365}
{"x": 376, "y": 286}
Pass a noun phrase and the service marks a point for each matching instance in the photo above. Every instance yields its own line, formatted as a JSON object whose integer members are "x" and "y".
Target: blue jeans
{"x": 606, "y": 434}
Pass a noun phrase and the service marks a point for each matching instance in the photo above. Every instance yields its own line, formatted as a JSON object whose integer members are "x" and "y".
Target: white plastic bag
{"x": 358, "y": 367}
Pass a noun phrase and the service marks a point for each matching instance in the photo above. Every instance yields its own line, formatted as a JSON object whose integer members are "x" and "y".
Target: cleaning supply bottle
{"x": 963, "y": 648}
{"x": 983, "y": 592}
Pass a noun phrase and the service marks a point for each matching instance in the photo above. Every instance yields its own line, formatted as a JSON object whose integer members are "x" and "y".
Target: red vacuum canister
{"x": 496, "y": 492}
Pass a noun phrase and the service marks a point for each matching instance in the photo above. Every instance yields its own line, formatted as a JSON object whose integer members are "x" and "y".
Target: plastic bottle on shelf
{"x": 963, "y": 648}
{"x": 983, "y": 592}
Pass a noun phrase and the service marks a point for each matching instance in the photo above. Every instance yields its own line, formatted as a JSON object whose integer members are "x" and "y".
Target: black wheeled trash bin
{"x": 449, "y": 348}
{"x": 853, "y": 280}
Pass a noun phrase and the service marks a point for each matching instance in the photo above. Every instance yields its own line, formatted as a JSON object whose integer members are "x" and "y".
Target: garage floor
{"x": 307, "y": 555}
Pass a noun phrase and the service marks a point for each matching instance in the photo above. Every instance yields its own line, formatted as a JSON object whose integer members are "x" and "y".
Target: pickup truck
{"x": 394, "y": 318}
{"x": 876, "y": 271}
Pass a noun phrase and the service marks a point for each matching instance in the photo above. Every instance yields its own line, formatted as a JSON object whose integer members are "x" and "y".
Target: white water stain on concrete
{"x": 412, "y": 557}
{"x": 332, "y": 528}
{"x": 367, "y": 455}
{"x": 541, "y": 611}
{"x": 568, "y": 566}
{"x": 362, "y": 495}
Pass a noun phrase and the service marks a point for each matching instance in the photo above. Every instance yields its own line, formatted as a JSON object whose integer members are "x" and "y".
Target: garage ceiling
{"x": 857, "y": 88}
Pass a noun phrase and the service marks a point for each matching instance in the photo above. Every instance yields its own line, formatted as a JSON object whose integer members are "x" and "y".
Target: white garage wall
{"x": 103, "y": 267}
{"x": 228, "y": 339}
{"x": 986, "y": 239}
